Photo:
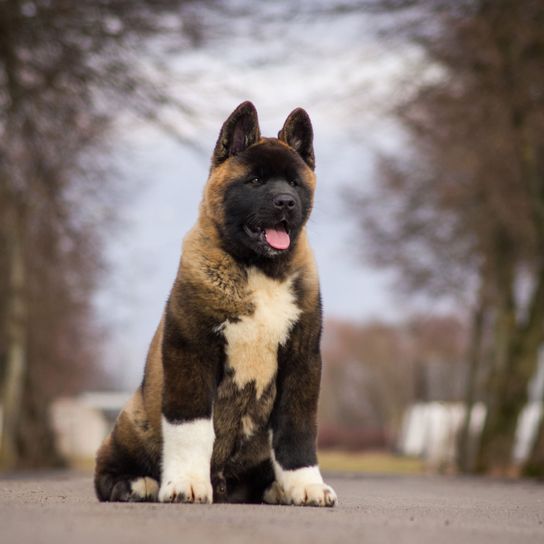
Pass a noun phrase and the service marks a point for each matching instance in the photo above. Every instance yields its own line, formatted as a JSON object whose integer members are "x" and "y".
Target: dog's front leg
{"x": 294, "y": 424}
{"x": 187, "y": 419}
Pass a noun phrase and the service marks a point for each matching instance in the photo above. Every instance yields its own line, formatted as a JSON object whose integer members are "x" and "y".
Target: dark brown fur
{"x": 186, "y": 365}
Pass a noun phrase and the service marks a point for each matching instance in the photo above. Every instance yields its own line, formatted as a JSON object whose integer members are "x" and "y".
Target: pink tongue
{"x": 278, "y": 239}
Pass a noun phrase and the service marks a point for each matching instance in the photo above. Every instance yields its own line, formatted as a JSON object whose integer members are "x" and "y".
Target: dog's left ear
{"x": 297, "y": 133}
{"x": 238, "y": 132}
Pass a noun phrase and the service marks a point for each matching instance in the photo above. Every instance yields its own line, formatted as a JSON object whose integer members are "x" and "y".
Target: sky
{"x": 339, "y": 72}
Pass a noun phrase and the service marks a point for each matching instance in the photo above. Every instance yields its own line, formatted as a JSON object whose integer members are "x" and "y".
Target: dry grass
{"x": 371, "y": 462}
{"x": 378, "y": 462}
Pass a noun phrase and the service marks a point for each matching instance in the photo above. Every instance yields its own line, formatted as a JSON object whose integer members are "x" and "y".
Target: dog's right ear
{"x": 238, "y": 132}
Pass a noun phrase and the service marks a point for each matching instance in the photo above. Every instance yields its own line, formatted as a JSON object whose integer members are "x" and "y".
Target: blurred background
{"x": 428, "y": 226}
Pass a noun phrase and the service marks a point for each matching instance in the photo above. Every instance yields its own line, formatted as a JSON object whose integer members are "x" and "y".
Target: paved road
{"x": 60, "y": 508}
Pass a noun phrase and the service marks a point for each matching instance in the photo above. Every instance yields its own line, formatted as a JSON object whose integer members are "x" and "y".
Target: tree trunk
{"x": 465, "y": 446}
{"x": 16, "y": 359}
{"x": 534, "y": 467}
{"x": 510, "y": 392}
{"x": 491, "y": 446}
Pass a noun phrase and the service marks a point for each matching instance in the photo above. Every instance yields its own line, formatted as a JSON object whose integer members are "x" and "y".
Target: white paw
{"x": 186, "y": 490}
{"x": 310, "y": 495}
{"x": 302, "y": 486}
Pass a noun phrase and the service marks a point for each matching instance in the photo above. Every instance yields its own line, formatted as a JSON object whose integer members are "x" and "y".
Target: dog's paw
{"x": 302, "y": 487}
{"x": 144, "y": 489}
{"x": 274, "y": 494}
{"x": 186, "y": 490}
{"x": 310, "y": 495}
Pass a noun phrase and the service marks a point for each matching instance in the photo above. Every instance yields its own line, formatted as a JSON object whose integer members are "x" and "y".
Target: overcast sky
{"x": 331, "y": 66}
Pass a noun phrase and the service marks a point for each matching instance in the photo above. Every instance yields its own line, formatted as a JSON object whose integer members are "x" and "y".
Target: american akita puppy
{"x": 227, "y": 407}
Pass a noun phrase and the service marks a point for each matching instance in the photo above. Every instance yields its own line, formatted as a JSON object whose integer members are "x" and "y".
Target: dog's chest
{"x": 252, "y": 341}
{"x": 245, "y": 397}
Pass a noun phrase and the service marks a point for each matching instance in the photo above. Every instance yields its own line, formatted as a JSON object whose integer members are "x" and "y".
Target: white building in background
{"x": 430, "y": 430}
{"x": 531, "y": 415}
{"x": 528, "y": 422}
{"x": 81, "y": 423}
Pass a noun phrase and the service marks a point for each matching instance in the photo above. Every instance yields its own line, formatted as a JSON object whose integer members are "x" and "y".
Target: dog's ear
{"x": 238, "y": 132}
{"x": 297, "y": 132}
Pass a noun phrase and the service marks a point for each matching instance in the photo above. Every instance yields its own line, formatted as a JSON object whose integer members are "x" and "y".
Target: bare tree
{"x": 462, "y": 211}
{"x": 66, "y": 69}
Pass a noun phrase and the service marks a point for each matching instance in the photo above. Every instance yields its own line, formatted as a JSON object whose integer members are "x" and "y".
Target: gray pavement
{"x": 61, "y": 507}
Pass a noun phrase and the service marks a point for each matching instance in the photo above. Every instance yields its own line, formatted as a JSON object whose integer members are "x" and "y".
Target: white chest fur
{"x": 252, "y": 342}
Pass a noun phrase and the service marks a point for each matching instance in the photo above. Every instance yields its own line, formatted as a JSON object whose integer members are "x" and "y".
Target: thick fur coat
{"x": 227, "y": 407}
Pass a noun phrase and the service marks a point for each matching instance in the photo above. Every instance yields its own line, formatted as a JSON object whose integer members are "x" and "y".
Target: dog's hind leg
{"x": 119, "y": 477}
{"x": 126, "y": 488}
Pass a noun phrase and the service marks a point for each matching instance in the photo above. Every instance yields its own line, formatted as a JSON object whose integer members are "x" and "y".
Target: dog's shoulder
{"x": 208, "y": 278}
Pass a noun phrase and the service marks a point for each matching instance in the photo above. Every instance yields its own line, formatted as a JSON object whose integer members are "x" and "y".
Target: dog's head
{"x": 260, "y": 190}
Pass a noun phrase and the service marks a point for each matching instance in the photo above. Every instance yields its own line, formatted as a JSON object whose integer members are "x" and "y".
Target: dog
{"x": 226, "y": 411}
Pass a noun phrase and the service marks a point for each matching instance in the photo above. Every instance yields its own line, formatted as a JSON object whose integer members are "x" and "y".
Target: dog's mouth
{"x": 276, "y": 237}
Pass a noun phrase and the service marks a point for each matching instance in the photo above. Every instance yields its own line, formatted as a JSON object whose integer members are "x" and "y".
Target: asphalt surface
{"x": 61, "y": 507}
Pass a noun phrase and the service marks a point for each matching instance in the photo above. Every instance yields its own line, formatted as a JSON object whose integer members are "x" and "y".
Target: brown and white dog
{"x": 227, "y": 407}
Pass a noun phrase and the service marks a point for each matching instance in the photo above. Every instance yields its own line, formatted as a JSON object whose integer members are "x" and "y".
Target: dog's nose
{"x": 284, "y": 200}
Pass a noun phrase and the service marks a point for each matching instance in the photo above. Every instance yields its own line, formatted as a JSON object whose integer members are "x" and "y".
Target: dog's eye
{"x": 293, "y": 182}
{"x": 255, "y": 181}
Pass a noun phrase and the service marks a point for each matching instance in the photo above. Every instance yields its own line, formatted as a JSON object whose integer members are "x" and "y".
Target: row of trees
{"x": 374, "y": 371}
{"x": 460, "y": 212}
{"x": 66, "y": 70}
